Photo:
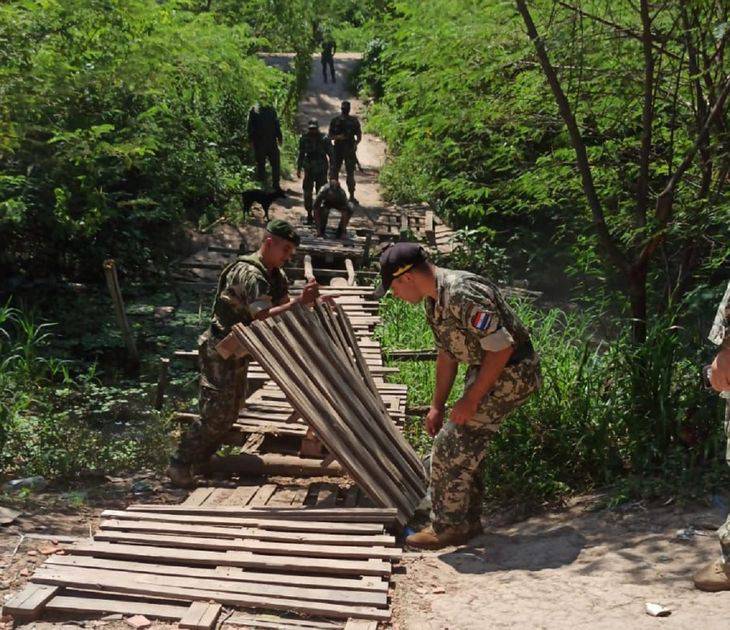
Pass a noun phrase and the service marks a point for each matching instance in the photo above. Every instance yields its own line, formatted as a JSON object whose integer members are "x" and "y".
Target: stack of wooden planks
{"x": 184, "y": 562}
{"x": 314, "y": 358}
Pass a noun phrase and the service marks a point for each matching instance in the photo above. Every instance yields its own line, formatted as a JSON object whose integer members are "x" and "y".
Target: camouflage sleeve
{"x": 479, "y": 315}
{"x": 721, "y": 326}
{"x": 247, "y": 291}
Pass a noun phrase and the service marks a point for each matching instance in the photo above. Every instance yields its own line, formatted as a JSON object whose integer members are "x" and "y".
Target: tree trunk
{"x": 637, "y": 299}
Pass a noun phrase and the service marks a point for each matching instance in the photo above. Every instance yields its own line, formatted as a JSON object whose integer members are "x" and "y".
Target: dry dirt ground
{"x": 580, "y": 567}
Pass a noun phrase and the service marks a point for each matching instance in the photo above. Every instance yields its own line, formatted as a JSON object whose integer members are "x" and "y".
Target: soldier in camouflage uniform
{"x": 346, "y": 134}
{"x": 716, "y": 576}
{"x": 332, "y": 197}
{"x": 329, "y": 48}
{"x": 252, "y": 287}
{"x": 472, "y": 324}
{"x": 315, "y": 155}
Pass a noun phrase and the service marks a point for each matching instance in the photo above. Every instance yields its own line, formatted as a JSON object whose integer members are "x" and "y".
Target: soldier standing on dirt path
{"x": 315, "y": 155}
{"x": 329, "y": 48}
{"x": 250, "y": 288}
{"x": 328, "y": 198}
{"x": 472, "y": 324}
{"x": 346, "y": 134}
{"x": 264, "y": 133}
{"x": 716, "y": 576}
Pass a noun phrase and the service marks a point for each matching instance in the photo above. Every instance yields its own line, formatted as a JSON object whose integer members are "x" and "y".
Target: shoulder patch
{"x": 481, "y": 320}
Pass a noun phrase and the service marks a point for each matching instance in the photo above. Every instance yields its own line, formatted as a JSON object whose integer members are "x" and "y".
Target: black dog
{"x": 261, "y": 197}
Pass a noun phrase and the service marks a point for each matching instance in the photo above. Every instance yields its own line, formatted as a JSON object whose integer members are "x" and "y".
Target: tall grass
{"x": 608, "y": 412}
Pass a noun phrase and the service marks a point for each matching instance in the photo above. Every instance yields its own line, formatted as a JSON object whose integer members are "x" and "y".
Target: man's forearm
{"x": 493, "y": 363}
{"x": 446, "y": 369}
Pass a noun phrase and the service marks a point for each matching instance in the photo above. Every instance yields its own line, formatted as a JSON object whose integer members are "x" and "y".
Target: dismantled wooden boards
{"x": 314, "y": 358}
{"x": 157, "y": 560}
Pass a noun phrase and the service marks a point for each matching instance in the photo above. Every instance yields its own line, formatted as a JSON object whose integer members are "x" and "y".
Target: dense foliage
{"x": 474, "y": 129}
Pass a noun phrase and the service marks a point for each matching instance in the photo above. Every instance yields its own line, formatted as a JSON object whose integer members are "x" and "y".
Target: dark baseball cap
{"x": 397, "y": 259}
{"x": 282, "y": 229}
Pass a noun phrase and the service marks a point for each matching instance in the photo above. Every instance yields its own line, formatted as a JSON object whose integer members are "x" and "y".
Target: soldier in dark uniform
{"x": 331, "y": 197}
{"x": 264, "y": 133}
{"x": 315, "y": 155}
{"x": 346, "y": 135}
{"x": 250, "y": 288}
{"x": 329, "y": 48}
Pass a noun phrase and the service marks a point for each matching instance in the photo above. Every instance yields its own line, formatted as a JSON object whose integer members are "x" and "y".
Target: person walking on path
{"x": 329, "y": 48}
{"x": 332, "y": 197}
{"x": 264, "y": 133}
{"x": 472, "y": 324}
{"x": 315, "y": 155}
{"x": 716, "y": 575}
{"x": 346, "y": 134}
{"x": 252, "y": 287}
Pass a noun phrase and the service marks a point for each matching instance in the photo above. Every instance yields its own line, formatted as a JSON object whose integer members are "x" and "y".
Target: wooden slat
{"x": 263, "y": 495}
{"x": 253, "y": 518}
{"x": 248, "y": 532}
{"x": 251, "y": 545}
{"x": 224, "y": 573}
{"x": 110, "y": 604}
{"x": 243, "y": 559}
{"x": 200, "y": 616}
{"x": 273, "y": 622}
{"x": 122, "y": 583}
{"x": 241, "y": 496}
{"x": 28, "y": 604}
{"x": 85, "y": 577}
{"x": 198, "y": 496}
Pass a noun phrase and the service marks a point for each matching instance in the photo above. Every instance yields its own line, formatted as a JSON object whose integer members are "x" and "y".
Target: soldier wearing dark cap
{"x": 472, "y": 324}
{"x": 346, "y": 134}
{"x": 329, "y": 48}
{"x": 315, "y": 154}
{"x": 264, "y": 133}
{"x": 250, "y": 288}
{"x": 332, "y": 197}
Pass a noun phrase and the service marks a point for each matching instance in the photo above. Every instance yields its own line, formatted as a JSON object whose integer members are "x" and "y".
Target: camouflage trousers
{"x": 222, "y": 390}
{"x": 346, "y": 153}
{"x": 458, "y": 450}
{"x": 724, "y": 532}
{"x": 314, "y": 178}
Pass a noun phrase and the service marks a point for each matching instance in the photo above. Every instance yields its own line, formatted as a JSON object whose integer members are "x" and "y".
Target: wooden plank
{"x": 251, "y": 545}
{"x": 253, "y": 518}
{"x": 248, "y": 532}
{"x": 198, "y": 496}
{"x": 243, "y": 559}
{"x": 361, "y": 624}
{"x": 274, "y": 622}
{"x": 263, "y": 495}
{"x": 218, "y": 496}
{"x": 224, "y": 573}
{"x": 360, "y": 515}
{"x": 88, "y": 578}
{"x": 241, "y": 496}
{"x": 200, "y": 616}
{"x": 126, "y": 584}
{"x": 274, "y": 464}
{"x": 110, "y": 604}
{"x": 28, "y": 604}
{"x": 282, "y": 497}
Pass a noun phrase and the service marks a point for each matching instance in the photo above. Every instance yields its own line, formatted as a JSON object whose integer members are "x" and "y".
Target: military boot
{"x": 427, "y": 538}
{"x": 180, "y": 475}
{"x": 714, "y": 577}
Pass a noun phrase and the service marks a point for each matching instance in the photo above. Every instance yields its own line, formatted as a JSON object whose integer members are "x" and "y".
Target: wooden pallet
{"x": 183, "y": 563}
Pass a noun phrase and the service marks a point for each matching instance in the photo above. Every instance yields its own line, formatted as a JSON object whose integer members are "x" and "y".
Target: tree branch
{"x": 647, "y": 119}
{"x": 599, "y": 222}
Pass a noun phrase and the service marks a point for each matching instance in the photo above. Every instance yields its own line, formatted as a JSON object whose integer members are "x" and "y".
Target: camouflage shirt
{"x": 470, "y": 316}
{"x": 335, "y": 198}
{"x": 348, "y": 126}
{"x": 315, "y": 151}
{"x": 721, "y": 326}
{"x": 245, "y": 288}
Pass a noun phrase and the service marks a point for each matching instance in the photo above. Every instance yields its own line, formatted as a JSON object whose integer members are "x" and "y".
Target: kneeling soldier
{"x": 253, "y": 287}
{"x": 331, "y": 197}
{"x": 472, "y": 324}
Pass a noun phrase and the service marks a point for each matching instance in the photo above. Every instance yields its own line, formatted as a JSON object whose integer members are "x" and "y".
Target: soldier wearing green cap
{"x": 315, "y": 155}
{"x": 250, "y": 288}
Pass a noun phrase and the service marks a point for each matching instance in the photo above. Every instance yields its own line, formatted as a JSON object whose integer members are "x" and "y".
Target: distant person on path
{"x": 346, "y": 134}
{"x": 472, "y": 324}
{"x": 329, "y": 48}
{"x": 252, "y": 287}
{"x": 716, "y": 575}
{"x": 315, "y": 155}
{"x": 332, "y": 197}
{"x": 264, "y": 133}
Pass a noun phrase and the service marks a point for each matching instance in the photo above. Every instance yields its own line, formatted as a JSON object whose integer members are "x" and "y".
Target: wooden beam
{"x": 28, "y": 604}
{"x": 200, "y": 616}
{"x": 112, "y": 282}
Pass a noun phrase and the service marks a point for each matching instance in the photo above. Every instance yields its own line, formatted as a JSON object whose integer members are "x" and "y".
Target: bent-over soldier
{"x": 332, "y": 197}
{"x": 716, "y": 575}
{"x": 315, "y": 154}
{"x": 472, "y": 324}
{"x": 250, "y": 288}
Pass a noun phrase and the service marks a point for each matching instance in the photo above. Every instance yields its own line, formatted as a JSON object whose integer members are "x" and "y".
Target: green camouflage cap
{"x": 281, "y": 228}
